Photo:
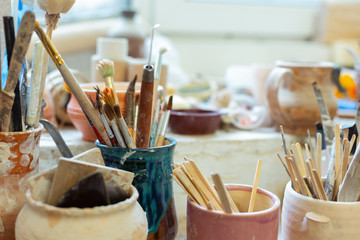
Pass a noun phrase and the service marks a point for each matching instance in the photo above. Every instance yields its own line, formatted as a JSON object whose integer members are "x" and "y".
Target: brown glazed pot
{"x": 291, "y": 98}
{"x": 194, "y": 121}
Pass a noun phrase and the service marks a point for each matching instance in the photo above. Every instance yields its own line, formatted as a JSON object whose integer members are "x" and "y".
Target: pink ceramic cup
{"x": 263, "y": 223}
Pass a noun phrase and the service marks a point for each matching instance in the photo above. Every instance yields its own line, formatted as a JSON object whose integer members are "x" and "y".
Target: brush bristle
{"x": 105, "y": 68}
{"x": 170, "y": 103}
{"x": 117, "y": 110}
{"x": 109, "y": 112}
{"x": 66, "y": 87}
{"x": 109, "y": 96}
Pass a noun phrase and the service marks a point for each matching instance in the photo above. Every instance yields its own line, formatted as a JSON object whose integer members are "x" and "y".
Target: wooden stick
{"x": 222, "y": 193}
{"x": 311, "y": 190}
{"x": 292, "y": 177}
{"x": 300, "y": 181}
{"x": 318, "y": 152}
{"x": 319, "y": 185}
{"x": 345, "y": 160}
{"x": 300, "y": 160}
{"x": 331, "y": 173}
{"x": 283, "y": 140}
{"x": 184, "y": 188}
{"x": 311, "y": 179}
{"x": 282, "y": 162}
{"x": 311, "y": 146}
{"x": 352, "y": 141}
{"x": 307, "y": 150}
{"x": 337, "y": 150}
{"x": 255, "y": 185}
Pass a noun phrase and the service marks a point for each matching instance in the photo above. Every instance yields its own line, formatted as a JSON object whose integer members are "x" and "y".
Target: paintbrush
{"x": 106, "y": 70}
{"x": 10, "y": 40}
{"x": 33, "y": 98}
{"x": 160, "y": 139}
{"x": 99, "y": 106}
{"x": 18, "y": 56}
{"x": 130, "y": 106}
{"x": 74, "y": 86}
{"x": 111, "y": 115}
{"x": 123, "y": 127}
{"x": 145, "y": 104}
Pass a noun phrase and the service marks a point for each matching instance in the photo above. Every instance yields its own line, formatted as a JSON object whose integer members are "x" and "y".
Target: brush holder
{"x": 41, "y": 221}
{"x": 262, "y": 223}
{"x": 19, "y": 159}
{"x": 152, "y": 168}
{"x": 306, "y": 218}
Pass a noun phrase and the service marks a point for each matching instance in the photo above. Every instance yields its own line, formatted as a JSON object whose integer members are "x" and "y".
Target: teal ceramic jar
{"x": 152, "y": 168}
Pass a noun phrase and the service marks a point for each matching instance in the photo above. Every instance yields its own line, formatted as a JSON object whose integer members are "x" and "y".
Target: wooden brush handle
{"x": 144, "y": 115}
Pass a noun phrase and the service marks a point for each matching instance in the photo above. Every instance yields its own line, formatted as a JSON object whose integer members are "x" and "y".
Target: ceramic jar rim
{"x": 171, "y": 144}
{"x": 38, "y": 129}
{"x": 83, "y": 212}
{"x": 304, "y": 64}
{"x": 193, "y": 113}
{"x": 310, "y": 199}
{"x": 244, "y": 187}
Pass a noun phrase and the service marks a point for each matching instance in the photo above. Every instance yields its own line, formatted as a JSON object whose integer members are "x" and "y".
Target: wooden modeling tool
{"x": 311, "y": 146}
{"x": 33, "y": 99}
{"x": 299, "y": 179}
{"x": 283, "y": 140}
{"x": 130, "y": 106}
{"x": 18, "y": 56}
{"x": 160, "y": 139}
{"x": 325, "y": 116}
{"x": 74, "y": 86}
{"x": 220, "y": 188}
{"x": 319, "y": 185}
{"x": 69, "y": 172}
{"x": 292, "y": 175}
{"x": 331, "y": 174}
{"x": 300, "y": 161}
{"x": 145, "y": 102}
{"x": 254, "y": 188}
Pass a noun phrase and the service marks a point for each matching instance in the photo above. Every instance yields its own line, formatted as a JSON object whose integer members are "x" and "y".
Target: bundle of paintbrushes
{"x": 197, "y": 187}
{"x": 342, "y": 179}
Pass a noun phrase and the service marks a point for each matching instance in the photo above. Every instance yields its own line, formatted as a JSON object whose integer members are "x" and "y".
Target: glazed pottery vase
{"x": 19, "y": 159}
{"x": 291, "y": 98}
{"x": 305, "y": 218}
{"x": 152, "y": 168}
{"x": 262, "y": 223}
{"x": 38, "y": 220}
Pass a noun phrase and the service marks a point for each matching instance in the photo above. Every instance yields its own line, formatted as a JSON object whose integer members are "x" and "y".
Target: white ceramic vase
{"x": 37, "y": 220}
{"x": 305, "y": 218}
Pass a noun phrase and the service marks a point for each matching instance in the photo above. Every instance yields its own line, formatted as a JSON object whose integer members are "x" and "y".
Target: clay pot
{"x": 307, "y": 218}
{"x": 263, "y": 223}
{"x": 19, "y": 159}
{"x": 77, "y": 116}
{"x": 291, "y": 98}
{"x": 38, "y": 220}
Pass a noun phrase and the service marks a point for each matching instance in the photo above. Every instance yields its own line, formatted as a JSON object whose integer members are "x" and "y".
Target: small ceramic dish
{"x": 194, "y": 121}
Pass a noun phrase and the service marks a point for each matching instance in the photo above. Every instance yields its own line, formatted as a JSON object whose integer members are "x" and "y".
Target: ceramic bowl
{"x": 262, "y": 223}
{"x": 77, "y": 116}
{"x": 194, "y": 121}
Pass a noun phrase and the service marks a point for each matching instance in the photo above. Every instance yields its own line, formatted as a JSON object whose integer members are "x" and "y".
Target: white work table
{"x": 233, "y": 154}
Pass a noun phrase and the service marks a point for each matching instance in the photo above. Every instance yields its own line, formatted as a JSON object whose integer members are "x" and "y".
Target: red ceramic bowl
{"x": 194, "y": 121}
{"x": 77, "y": 116}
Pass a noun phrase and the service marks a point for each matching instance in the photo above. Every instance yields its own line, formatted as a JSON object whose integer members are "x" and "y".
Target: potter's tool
{"x": 290, "y": 171}
{"x": 155, "y": 119}
{"x": 163, "y": 125}
{"x": 254, "y": 188}
{"x": 18, "y": 56}
{"x": 311, "y": 147}
{"x": 130, "y": 106}
{"x": 145, "y": 104}
{"x": 357, "y": 120}
{"x": 157, "y": 79}
{"x": 325, "y": 116}
{"x": 300, "y": 162}
{"x": 318, "y": 152}
{"x": 56, "y": 136}
{"x": 10, "y": 40}
{"x": 334, "y": 164}
{"x": 220, "y": 188}
{"x": 71, "y": 81}
{"x": 33, "y": 100}
{"x": 300, "y": 181}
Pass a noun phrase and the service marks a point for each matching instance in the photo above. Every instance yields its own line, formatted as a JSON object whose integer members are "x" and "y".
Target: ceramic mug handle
{"x": 276, "y": 76}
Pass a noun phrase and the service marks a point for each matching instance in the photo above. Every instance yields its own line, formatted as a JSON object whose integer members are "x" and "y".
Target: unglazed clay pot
{"x": 263, "y": 223}
{"x": 291, "y": 98}
{"x": 305, "y": 218}
{"x": 38, "y": 220}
